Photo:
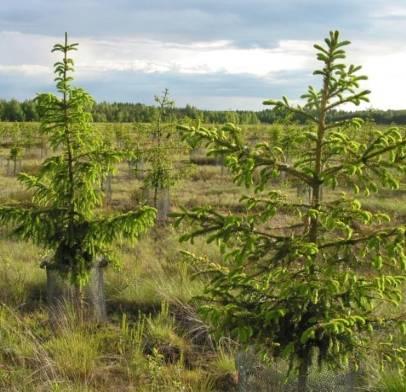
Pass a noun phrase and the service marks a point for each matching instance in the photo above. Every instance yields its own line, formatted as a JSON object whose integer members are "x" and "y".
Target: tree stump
{"x": 89, "y": 301}
{"x": 249, "y": 371}
{"x": 196, "y": 153}
{"x": 303, "y": 191}
{"x": 43, "y": 149}
{"x": 220, "y": 162}
{"x": 107, "y": 189}
{"x": 136, "y": 168}
{"x": 159, "y": 199}
{"x": 13, "y": 167}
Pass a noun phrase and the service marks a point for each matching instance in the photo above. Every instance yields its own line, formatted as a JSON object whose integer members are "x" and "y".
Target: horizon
{"x": 232, "y": 57}
{"x": 354, "y": 109}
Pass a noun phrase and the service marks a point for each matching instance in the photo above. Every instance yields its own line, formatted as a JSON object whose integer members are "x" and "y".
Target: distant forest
{"x": 13, "y": 110}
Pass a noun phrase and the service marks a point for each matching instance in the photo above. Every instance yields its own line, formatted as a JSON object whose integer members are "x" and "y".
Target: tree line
{"x": 127, "y": 112}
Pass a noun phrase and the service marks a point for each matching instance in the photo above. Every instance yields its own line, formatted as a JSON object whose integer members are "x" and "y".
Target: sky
{"x": 213, "y": 54}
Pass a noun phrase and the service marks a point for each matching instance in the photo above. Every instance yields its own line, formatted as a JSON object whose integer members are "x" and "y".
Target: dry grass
{"x": 154, "y": 340}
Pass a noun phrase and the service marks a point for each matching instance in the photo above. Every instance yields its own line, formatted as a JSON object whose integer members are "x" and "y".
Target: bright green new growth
{"x": 67, "y": 189}
{"x": 312, "y": 286}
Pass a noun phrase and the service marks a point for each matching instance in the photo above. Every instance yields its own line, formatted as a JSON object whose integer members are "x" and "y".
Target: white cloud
{"x": 157, "y": 56}
{"x": 26, "y": 69}
{"x": 384, "y": 62}
{"x": 200, "y": 57}
{"x": 389, "y": 11}
{"x": 386, "y": 80}
{"x": 18, "y": 48}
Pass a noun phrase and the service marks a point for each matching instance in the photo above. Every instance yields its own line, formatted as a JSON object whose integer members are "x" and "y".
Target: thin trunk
{"x": 158, "y": 138}
{"x": 78, "y": 302}
{"x": 156, "y": 197}
{"x": 317, "y": 181}
{"x": 71, "y": 194}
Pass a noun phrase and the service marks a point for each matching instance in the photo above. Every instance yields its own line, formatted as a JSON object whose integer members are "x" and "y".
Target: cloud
{"x": 208, "y": 73}
{"x": 202, "y": 57}
{"x": 247, "y": 23}
{"x": 390, "y": 11}
{"x": 220, "y": 53}
{"x": 209, "y": 91}
{"x": 127, "y": 54}
{"x": 25, "y": 69}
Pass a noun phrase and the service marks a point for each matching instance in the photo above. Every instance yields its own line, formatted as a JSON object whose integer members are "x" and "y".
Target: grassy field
{"x": 154, "y": 340}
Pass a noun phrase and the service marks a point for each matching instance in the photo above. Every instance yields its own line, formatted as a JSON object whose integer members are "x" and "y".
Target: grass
{"x": 75, "y": 355}
{"x": 154, "y": 339}
{"x": 22, "y": 283}
{"x": 391, "y": 381}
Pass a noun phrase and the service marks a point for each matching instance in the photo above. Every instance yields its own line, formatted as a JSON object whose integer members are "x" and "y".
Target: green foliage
{"x": 312, "y": 285}
{"x": 67, "y": 189}
{"x": 161, "y": 175}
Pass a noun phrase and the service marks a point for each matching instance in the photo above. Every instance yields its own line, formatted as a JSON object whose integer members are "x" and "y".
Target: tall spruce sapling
{"x": 313, "y": 287}
{"x": 16, "y": 151}
{"x": 161, "y": 176}
{"x": 65, "y": 215}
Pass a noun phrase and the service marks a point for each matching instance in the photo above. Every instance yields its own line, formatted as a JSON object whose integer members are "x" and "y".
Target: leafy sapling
{"x": 311, "y": 288}
{"x": 161, "y": 174}
{"x": 65, "y": 216}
